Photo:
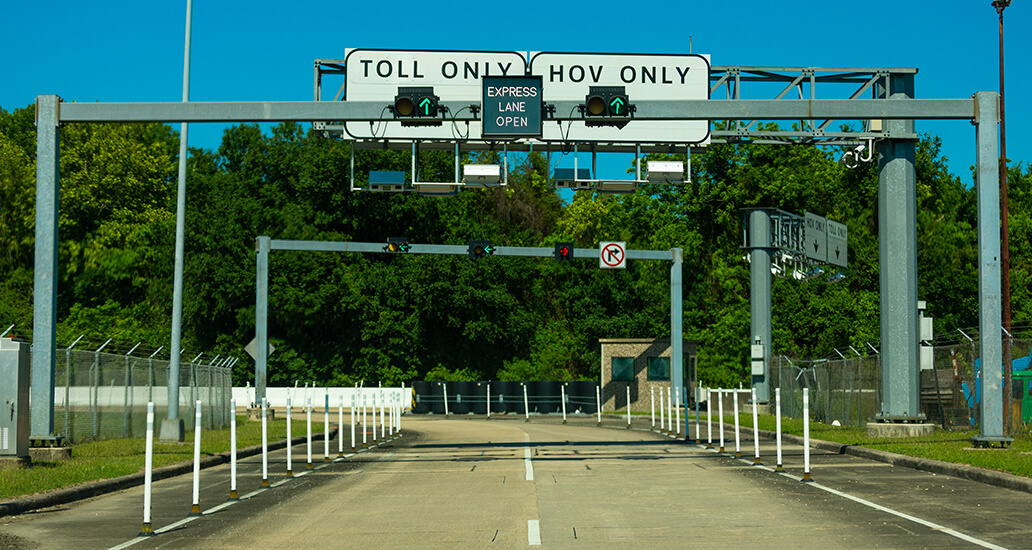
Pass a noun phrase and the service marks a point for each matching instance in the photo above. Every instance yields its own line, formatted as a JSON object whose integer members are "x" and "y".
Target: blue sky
{"x": 261, "y": 50}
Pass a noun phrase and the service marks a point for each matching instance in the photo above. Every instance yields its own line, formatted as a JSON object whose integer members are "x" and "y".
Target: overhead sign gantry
{"x": 887, "y": 116}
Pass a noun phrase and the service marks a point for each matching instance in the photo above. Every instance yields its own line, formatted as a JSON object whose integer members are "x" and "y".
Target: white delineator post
{"x": 698, "y": 432}
{"x": 677, "y": 413}
{"x": 340, "y": 428}
{"x": 738, "y": 437}
{"x": 777, "y": 420}
{"x": 308, "y": 440}
{"x": 598, "y": 404}
{"x": 232, "y": 451}
{"x": 562, "y": 399}
{"x": 628, "y": 407}
{"x": 709, "y": 418}
{"x": 670, "y": 410}
{"x": 195, "y": 509}
{"x": 526, "y": 405}
{"x": 755, "y": 429}
{"x": 148, "y": 466}
{"x": 265, "y": 442}
{"x": 489, "y": 399}
{"x": 354, "y": 405}
{"x": 653, "y": 392}
{"x": 290, "y": 435}
{"x": 720, "y": 416}
{"x": 806, "y": 434}
{"x": 383, "y": 421}
{"x": 374, "y": 413}
{"x": 326, "y": 431}
{"x": 365, "y": 426}
{"x": 662, "y": 405}
{"x": 445, "y": 388}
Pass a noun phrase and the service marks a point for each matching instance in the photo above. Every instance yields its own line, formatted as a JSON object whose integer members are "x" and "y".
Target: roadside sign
{"x": 837, "y": 243}
{"x": 511, "y": 106}
{"x": 612, "y": 255}
{"x": 252, "y": 348}
{"x": 376, "y": 75}
{"x": 568, "y": 77}
{"x": 816, "y": 237}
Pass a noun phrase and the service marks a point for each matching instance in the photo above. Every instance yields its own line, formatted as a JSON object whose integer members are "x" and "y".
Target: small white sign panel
{"x": 568, "y": 77}
{"x": 376, "y": 75}
{"x": 816, "y": 237}
{"x": 252, "y": 348}
{"x": 612, "y": 255}
{"x": 838, "y": 250}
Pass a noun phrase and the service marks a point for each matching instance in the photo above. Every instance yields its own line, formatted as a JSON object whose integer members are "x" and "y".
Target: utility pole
{"x": 1008, "y": 366}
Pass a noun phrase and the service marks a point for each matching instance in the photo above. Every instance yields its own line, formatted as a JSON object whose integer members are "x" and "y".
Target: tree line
{"x": 342, "y": 318}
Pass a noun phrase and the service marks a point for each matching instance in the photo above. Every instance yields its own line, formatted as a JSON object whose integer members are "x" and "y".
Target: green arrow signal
{"x": 489, "y": 249}
{"x": 616, "y": 104}
{"x": 426, "y": 104}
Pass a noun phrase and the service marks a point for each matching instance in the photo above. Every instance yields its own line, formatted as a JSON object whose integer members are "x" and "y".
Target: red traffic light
{"x": 564, "y": 252}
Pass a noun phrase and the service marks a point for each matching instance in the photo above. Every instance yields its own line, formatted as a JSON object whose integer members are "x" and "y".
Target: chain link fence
{"x": 104, "y": 396}
{"x": 849, "y": 389}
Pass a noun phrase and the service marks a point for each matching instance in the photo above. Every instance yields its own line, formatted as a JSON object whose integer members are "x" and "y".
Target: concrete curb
{"x": 104, "y": 486}
{"x": 963, "y": 471}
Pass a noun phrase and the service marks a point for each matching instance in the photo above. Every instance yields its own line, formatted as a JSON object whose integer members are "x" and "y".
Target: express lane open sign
{"x": 512, "y": 107}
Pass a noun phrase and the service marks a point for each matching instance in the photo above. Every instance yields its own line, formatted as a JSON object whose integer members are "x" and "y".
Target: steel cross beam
{"x": 264, "y": 245}
{"x": 371, "y": 111}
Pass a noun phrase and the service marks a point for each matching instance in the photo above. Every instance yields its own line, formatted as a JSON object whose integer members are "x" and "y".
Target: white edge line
{"x": 917, "y": 520}
{"x": 128, "y": 543}
{"x": 172, "y": 526}
{"x": 880, "y": 508}
{"x": 132, "y": 542}
{"x": 214, "y": 509}
{"x": 530, "y": 467}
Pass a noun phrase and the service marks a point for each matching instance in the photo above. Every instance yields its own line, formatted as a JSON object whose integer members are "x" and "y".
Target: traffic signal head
{"x": 607, "y": 101}
{"x": 564, "y": 251}
{"x": 479, "y": 249}
{"x": 416, "y": 103}
{"x": 397, "y": 244}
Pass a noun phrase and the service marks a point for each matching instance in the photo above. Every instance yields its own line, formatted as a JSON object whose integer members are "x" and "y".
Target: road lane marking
{"x": 526, "y": 457}
{"x": 858, "y": 500}
{"x": 533, "y": 532}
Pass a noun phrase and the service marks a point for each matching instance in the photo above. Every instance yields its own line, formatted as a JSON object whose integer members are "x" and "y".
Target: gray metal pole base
{"x": 172, "y": 429}
{"x": 899, "y": 430}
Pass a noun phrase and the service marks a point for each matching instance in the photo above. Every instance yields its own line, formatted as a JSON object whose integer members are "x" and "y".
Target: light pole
{"x": 172, "y": 428}
{"x": 1001, "y": 5}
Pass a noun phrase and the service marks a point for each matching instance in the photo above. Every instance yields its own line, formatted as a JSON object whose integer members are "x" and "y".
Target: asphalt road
{"x": 471, "y": 483}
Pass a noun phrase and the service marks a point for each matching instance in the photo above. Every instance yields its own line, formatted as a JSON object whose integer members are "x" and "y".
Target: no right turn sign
{"x": 612, "y": 255}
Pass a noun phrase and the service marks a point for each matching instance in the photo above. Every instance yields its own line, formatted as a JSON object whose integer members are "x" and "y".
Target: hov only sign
{"x": 612, "y": 255}
{"x": 569, "y": 76}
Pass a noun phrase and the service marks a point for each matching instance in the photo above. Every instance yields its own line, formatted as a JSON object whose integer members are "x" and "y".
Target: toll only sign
{"x": 612, "y": 255}
{"x": 512, "y": 107}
